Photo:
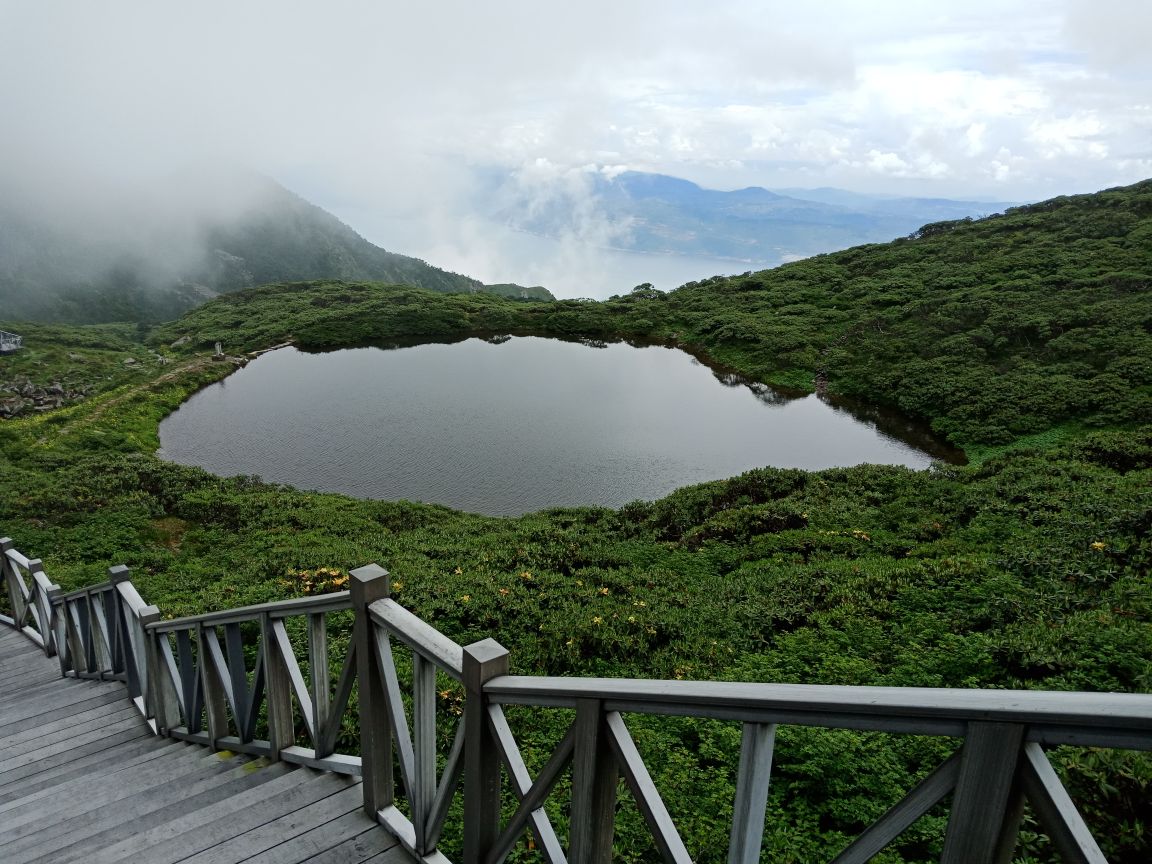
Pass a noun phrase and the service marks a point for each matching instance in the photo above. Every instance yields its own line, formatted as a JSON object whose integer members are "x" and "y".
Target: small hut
{"x": 10, "y": 342}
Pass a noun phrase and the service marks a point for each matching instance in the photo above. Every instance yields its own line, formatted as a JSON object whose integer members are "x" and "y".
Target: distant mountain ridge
{"x": 657, "y": 213}
{"x": 146, "y": 260}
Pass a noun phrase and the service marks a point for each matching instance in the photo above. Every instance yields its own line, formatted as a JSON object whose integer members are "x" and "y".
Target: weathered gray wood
{"x": 286, "y": 657}
{"x": 339, "y": 705}
{"x": 335, "y": 762}
{"x": 277, "y": 693}
{"x": 394, "y": 709}
{"x": 423, "y": 791}
{"x": 755, "y": 771}
{"x": 255, "y": 695}
{"x": 97, "y": 811}
{"x": 237, "y": 678}
{"x": 482, "y": 661}
{"x": 594, "y": 779}
{"x": 282, "y": 830}
{"x": 418, "y": 635}
{"x": 220, "y": 808}
{"x": 923, "y": 797}
{"x": 319, "y": 675}
{"x": 190, "y": 681}
{"x": 400, "y": 827}
{"x": 369, "y": 846}
{"x": 446, "y": 790}
{"x": 1055, "y": 811}
{"x": 988, "y": 763}
{"x": 531, "y": 793}
{"x": 74, "y": 778}
{"x": 912, "y": 710}
{"x": 369, "y": 584}
{"x": 113, "y": 755}
{"x": 216, "y": 682}
{"x": 159, "y": 689}
{"x": 279, "y": 609}
{"x": 317, "y": 841}
{"x": 251, "y": 809}
{"x": 648, "y": 799}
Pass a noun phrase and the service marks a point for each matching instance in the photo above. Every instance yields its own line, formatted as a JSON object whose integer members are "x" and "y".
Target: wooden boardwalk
{"x": 82, "y": 778}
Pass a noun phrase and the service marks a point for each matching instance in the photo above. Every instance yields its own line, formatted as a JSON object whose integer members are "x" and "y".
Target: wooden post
{"x": 977, "y": 825}
{"x": 157, "y": 702}
{"x": 215, "y": 710}
{"x": 483, "y": 661}
{"x": 369, "y": 584}
{"x": 42, "y": 612}
{"x": 318, "y": 672}
{"x": 757, "y": 742}
{"x": 595, "y": 773}
{"x": 423, "y": 793}
{"x": 14, "y": 595}
{"x": 118, "y": 619}
{"x": 277, "y": 695}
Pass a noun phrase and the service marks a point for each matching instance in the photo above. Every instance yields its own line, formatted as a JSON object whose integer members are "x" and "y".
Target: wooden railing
{"x": 232, "y": 680}
{"x": 29, "y": 595}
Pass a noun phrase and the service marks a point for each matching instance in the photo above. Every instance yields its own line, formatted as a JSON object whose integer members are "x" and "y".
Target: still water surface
{"x": 510, "y": 428}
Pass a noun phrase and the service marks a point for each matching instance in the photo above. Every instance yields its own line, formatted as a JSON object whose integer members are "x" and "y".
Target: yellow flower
{"x": 570, "y": 642}
{"x": 458, "y": 571}
{"x": 503, "y": 592}
{"x": 464, "y": 598}
{"x": 397, "y": 585}
{"x": 597, "y": 620}
{"x": 631, "y": 619}
{"x": 1099, "y": 546}
{"x": 604, "y": 592}
{"x": 526, "y": 575}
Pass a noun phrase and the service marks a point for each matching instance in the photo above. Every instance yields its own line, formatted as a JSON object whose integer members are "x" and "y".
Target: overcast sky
{"x": 363, "y": 105}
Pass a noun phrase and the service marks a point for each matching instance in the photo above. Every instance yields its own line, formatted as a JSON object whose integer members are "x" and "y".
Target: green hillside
{"x": 1024, "y": 337}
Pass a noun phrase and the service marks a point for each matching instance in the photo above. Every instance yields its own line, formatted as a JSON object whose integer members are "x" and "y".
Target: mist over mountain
{"x": 150, "y": 250}
{"x": 657, "y": 213}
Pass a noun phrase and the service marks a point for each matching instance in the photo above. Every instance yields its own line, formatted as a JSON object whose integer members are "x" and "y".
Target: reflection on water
{"x": 512, "y": 426}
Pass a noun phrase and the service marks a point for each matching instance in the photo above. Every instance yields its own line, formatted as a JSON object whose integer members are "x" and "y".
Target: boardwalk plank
{"x": 85, "y": 721}
{"x": 78, "y": 782}
{"x": 33, "y": 769}
{"x": 55, "y": 747}
{"x": 153, "y": 779}
{"x": 362, "y": 847}
{"x": 136, "y": 807}
{"x": 225, "y": 817}
{"x": 319, "y": 840}
{"x": 136, "y": 822}
{"x": 286, "y": 829}
{"x": 126, "y": 753}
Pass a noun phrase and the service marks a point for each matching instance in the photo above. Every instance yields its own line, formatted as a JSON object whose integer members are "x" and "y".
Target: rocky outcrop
{"x": 22, "y": 396}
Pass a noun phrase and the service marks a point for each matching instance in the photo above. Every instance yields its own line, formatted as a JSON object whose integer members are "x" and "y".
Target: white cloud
{"x": 384, "y": 106}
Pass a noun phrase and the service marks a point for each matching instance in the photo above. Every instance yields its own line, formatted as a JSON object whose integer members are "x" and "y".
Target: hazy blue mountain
{"x": 656, "y": 213}
{"x": 150, "y": 254}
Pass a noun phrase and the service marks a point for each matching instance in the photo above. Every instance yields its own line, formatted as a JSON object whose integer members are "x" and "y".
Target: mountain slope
{"x": 151, "y": 255}
{"x": 655, "y": 213}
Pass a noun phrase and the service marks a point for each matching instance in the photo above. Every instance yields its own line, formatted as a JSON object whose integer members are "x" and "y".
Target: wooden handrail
{"x": 277, "y": 609}
{"x": 1084, "y": 719}
{"x": 192, "y": 678}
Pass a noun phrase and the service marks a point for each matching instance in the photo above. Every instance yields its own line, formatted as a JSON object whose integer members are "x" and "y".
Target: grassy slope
{"x": 1029, "y": 569}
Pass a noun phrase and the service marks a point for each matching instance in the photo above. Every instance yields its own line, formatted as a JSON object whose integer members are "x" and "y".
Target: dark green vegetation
{"x": 1028, "y": 334}
{"x": 152, "y": 258}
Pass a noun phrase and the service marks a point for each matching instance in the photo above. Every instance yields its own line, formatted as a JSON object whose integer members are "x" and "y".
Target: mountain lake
{"x": 514, "y": 425}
